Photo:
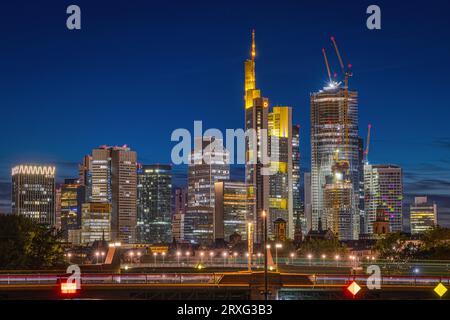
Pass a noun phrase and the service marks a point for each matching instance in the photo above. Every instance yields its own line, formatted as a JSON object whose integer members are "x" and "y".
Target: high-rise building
{"x": 100, "y": 175}
{"x": 231, "y": 209}
{"x": 154, "y": 217}
{"x": 85, "y": 177}
{"x": 256, "y": 119}
{"x": 110, "y": 174}
{"x": 33, "y": 192}
{"x": 423, "y": 215}
{"x": 180, "y": 207}
{"x": 57, "y": 224}
{"x": 124, "y": 194}
{"x": 207, "y": 165}
{"x": 96, "y": 222}
{"x": 297, "y": 205}
{"x": 383, "y": 187}
{"x": 71, "y": 199}
{"x": 307, "y": 200}
{"x": 338, "y": 205}
{"x": 362, "y": 215}
{"x": 334, "y": 127}
{"x": 280, "y": 181}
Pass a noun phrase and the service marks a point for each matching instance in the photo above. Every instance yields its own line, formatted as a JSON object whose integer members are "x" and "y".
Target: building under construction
{"x": 335, "y": 141}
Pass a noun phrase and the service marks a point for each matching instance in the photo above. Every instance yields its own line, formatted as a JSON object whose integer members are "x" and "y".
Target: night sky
{"x": 137, "y": 70}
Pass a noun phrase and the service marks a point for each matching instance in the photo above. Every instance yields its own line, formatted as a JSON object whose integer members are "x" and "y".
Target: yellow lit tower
{"x": 256, "y": 118}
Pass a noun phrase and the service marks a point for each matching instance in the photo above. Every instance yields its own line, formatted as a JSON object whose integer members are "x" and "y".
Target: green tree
{"x": 322, "y": 246}
{"x": 27, "y": 244}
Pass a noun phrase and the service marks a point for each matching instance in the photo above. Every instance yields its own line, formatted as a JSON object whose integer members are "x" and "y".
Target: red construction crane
{"x": 346, "y": 72}
{"x": 326, "y": 63}
{"x": 366, "y": 152}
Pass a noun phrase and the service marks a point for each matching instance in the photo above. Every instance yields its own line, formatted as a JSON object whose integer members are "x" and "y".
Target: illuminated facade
{"x": 207, "y": 166}
{"x": 33, "y": 193}
{"x": 71, "y": 200}
{"x": 154, "y": 217}
{"x": 338, "y": 198}
{"x": 124, "y": 194}
{"x": 96, "y": 222}
{"x": 307, "y": 200}
{"x": 181, "y": 201}
{"x": 110, "y": 176}
{"x": 298, "y": 208}
{"x": 423, "y": 215}
{"x": 100, "y": 175}
{"x": 231, "y": 209}
{"x": 256, "y": 118}
{"x": 334, "y": 126}
{"x": 280, "y": 181}
{"x": 383, "y": 187}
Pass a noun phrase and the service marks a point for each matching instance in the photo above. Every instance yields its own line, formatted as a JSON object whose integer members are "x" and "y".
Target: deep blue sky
{"x": 140, "y": 69}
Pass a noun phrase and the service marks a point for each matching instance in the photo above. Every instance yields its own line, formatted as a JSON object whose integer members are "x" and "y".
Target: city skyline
{"x": 394, "y": 141}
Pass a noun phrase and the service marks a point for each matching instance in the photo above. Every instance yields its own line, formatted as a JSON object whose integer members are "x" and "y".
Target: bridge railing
{"x": 169, "y": 278}
{"x": 415, "y": 281}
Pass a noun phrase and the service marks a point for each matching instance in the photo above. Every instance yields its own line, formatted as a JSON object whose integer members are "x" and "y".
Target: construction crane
{"x": 327, "y": 64}
{"x": 346, "y": 72}
{"x": 366, "y": 152}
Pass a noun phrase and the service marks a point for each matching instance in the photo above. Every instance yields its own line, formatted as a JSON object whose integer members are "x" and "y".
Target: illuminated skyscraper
{"x": 207, "y": 166}
{"x": 180, "y": 207}
{"x": 33, "y": 193}
{"x": 71, "y": 200}
{"x": 334, "y": 127}
{"x": 110, "y": 174}
{"x": 423, "y": 215}
{"x": 307, "y": 195}
{"x": 231, "y": 209}
{"x": 297, "y": 205}
{"x": 256, "y": 118}
{"x": 85, "y": 177}
{"x": 281, "y": 185}
{"x": 154, "y": 217}
{"x": 337, "y": 196}
{"x": 124, "y": 194}
{"x": 383, "y": 187}
{"x": 96, "y": 222}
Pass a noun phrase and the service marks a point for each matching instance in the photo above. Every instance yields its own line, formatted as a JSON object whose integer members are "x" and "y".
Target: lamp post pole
{"x": 266, "y": 292}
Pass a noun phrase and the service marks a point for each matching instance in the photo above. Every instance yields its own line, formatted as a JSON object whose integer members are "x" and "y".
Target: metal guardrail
{"x": 414, "y": 281}
{"x": 11, "y": 279}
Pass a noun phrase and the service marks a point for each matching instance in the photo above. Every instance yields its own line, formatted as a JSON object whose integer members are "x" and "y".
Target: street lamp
{"x": 309, "y": 256}
{"x": 224, "y": 258}
{"x": 336, "y": 257}
{"x": 235, "y": 257}
{"x": 259, "y": 256}
{"x": 154, "y": 257}
{"x": 323, "y": 259}
{"x": 68, "y": 256}
{"x": 211, "y": 255}
{"x": 277, "y": 246}
{"x": 97, "y": 254}
{"x": 178, "y": 257}
{"x": 266, "y": 292}
{"x": 188, "y": 253}
{"x": 163, "y": 256}
{"x": 201, "y": 256}
{"x": 131, "y": 256}
{"x": 292, "y": 257}
{"x": 103, "y": 256}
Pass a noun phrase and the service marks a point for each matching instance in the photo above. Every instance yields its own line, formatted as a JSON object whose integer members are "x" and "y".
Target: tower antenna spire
{"x": 253, "y": 45}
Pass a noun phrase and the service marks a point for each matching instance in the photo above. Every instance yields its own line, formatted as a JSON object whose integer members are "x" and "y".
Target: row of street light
{"x": 226, "y": 256}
